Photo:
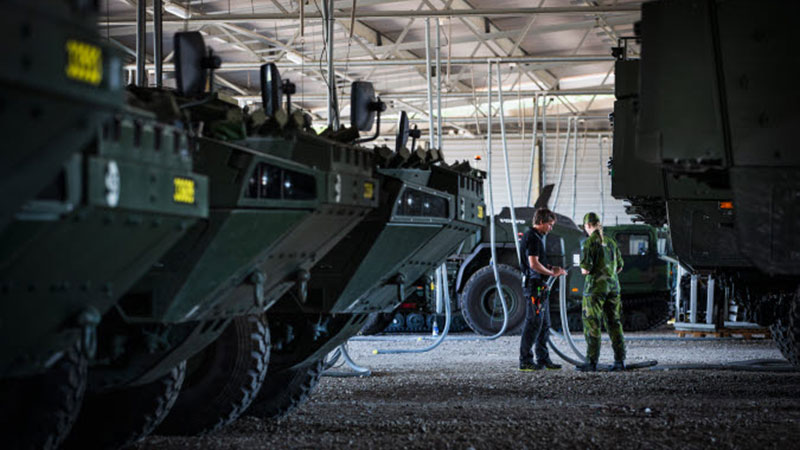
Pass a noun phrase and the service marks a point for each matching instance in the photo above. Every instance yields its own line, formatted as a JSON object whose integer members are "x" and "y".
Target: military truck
{"x": 281, "y": 198}
{"x": 425, "y": 212}
{"x": 115, "y": 191}
{"x": 703, "y": 141}
{"x": 646, "y": 286}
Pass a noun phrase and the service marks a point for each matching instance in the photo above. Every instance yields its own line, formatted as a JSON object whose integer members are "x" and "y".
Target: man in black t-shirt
{"x": 537, "y": 311}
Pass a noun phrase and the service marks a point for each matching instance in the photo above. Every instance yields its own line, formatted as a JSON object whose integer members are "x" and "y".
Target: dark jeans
{"x": 535, "y": 331}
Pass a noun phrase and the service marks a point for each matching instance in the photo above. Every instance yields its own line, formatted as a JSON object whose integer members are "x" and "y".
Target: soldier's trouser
{"x": 536, "y": 329}
{"x": 595, "y": 307}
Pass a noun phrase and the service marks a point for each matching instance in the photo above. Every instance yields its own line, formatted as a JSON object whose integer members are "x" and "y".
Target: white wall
{"x": 591, "y": 166}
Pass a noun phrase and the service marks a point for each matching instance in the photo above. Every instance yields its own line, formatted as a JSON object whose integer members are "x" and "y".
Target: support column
{"x": 710, "y": 300}
{"x": 141, "y": 44}
{"x": 693, "y": 299}
{"x": 158, "y": 41}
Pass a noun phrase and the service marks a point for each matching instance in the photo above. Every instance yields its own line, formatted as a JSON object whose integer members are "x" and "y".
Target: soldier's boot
{"x": 548, "y": 364}
{"x": 618, "y": 366}
{"x": 589, "y": 366}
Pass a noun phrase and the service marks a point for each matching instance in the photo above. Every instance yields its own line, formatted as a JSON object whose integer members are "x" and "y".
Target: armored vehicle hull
{"x": 59, "y": 82}
{"x": 271, "y": 218}
{"x": 713, "y": 127}
{"x": 424, "y": 215}
{"x": 71, "y": 253}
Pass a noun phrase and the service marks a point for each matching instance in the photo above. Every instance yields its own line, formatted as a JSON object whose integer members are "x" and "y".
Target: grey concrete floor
{"x": 469, "y": 394}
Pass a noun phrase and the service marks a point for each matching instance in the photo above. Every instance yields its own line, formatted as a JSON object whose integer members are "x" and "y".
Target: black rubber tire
{"x": 284, "y": 391}
{"x": 123, "y": 417}
{"x": 480, "y": 307}
{"x": 39, "y": 411}
{"x": 222, "y": 380}
{"x": 376, "y": 323}
{"x": 652, "y": 311}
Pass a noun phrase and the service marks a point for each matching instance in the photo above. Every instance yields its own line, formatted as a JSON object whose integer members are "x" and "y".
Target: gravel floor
{"x": 469, "y": 394}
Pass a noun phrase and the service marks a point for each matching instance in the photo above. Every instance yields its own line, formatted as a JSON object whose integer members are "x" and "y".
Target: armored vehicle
{"x": 703, "y": 141}
{"x": 123, "y": 193}
{"x": 426, "y": 210}
{"x": 281, "y": 198}
{"x": 59, "y": 81}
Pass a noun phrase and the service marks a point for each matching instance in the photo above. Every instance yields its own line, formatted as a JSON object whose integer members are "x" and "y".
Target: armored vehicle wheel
{"x": 222, "y": 380}
{"x": 284, "y": 391}
{"x": 376, "y": 323}
{"x": 120, "y": 418}
{"x": 481, "y": 305}
{"x": 38, "y": 411}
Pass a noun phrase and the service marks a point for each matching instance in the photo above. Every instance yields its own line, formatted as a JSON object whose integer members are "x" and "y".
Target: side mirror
{"x": 363, "y": 108}
{"x": 191, "y": 63}
{"x": 190, "y": 50}
{"x": 271, "y": 89}
{"x": 362, "y": 96}
{"x": 402, "y": 132}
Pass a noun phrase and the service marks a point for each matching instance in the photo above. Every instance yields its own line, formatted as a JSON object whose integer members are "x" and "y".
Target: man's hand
{"x": 558, "y": 271}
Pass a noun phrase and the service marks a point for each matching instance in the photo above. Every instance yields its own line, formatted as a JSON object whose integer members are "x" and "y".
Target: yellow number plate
{"x": 84, "y": 62}
{"x": 480, "y": 211}
{"x": 369, "y": 190}
{"x": 184, "y": 190}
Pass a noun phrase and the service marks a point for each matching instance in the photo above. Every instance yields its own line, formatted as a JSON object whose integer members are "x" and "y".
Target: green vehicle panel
{"x": 58, "y": 83}
{"x": 377, "y": 265}
{"x": 87, "y": 238}
{"x": 271, "y": 219}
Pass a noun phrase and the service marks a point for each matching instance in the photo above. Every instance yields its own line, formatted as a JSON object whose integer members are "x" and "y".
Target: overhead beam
{"x": 393, "y": 14}
{"x": 576, "y": 59}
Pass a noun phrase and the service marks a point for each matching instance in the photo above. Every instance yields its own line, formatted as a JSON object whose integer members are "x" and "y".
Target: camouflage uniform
{"x": 601, "y": 257}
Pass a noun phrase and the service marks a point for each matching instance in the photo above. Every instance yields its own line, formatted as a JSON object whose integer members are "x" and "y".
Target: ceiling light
{"x": 177, "y": 10}
{"x": 294, "y": 57}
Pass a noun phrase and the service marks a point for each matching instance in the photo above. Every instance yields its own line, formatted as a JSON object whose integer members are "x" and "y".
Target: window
{"x": 421, "y": 204}
{"x": 273, "y": 182}
{"x": 633, "y": 244}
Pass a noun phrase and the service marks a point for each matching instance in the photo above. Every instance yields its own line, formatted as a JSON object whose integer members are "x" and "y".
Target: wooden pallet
{"x": 743, "y": 333}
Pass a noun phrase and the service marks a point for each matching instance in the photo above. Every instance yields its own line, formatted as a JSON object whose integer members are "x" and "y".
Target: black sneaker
{"x": 529, "y": 367}
{"x": 549, "y": 365}
{"x": 618, "y": 366}
{"x": 587, "y": 367}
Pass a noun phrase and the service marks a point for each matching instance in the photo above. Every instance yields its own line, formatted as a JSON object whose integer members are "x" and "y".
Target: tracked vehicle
{"x": 426, "y": 210}
{"x": 281, "y": 198}
{"x": 115, "y": 191}
{"x": 704, "y": 141}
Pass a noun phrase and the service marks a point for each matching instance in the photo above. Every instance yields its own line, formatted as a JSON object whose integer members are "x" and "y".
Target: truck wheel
{"x": 376, "y": 323}
{"x": 284, "y": 391}
{"x": 51, "y": 403}
{"x": 222, "y": 380}
{"x": 481, "y": 305}
{"x": 119, "y": 418}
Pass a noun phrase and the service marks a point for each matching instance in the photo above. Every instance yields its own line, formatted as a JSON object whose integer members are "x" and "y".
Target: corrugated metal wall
{"x": 591, "y": 168}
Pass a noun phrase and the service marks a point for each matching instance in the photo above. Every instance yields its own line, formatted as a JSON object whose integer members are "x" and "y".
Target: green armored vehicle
{"x": 59, "y": 81}
{"x": 425, "y": 212}
{"x": 120, "y": 196}
{"x": 281, "y": 198}
{"x": 704, "y": 141}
